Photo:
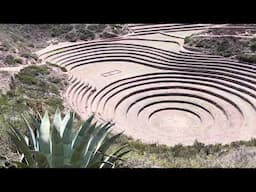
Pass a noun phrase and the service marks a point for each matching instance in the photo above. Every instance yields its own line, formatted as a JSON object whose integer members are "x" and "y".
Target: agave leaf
{"x": 26, "y": 140}
{"x": 92, "y": 144}
{"x": 22, "y": 157}
{"x": 20, "y": 164}
{"x": 108, "y": 142}
{"x": 36, "y": 121}
{"x": 100, "y": 153}
{"x": 34, "y": 142}
{"x": 39, "y": 115}
{"x": 118, "y": 154}
{"x": 102, "y": 134}
{"x": 44, "y": 135}
{"x": 87, "y": 135}
{"x": 67, "y": 138}
{"x": 82, "y": 131}
{"x": 99, "y": 135}
{"x": 57, "y": 119}
{"x": 103, "y": 163}
{"x": 94, "y": 164}
{"x": 57, "y": 149}
{"x": 86, "y": 140}
{"x": 64, "y": 123}
{"x": 68, "y": 165}
{"x": 78, "y": 152}
{"x": 115, "y": 152}
{"x": 114, "y": 157}
{"x": 20, "y": 143}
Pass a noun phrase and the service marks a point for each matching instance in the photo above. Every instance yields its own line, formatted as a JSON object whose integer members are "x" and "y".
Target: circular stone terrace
{"x": 155, "y": 90}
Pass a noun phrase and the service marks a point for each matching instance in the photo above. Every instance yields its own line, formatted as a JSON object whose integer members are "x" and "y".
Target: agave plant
{"x": 57, "y": 146}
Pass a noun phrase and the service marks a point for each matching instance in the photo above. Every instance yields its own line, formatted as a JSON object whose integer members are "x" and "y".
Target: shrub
{"x": 116, "y": 28}
{"x": 253, "y": 46}
{"x": 18, "y": 60}
{"x": 35, "y": 70}
{"x": 31, "y": 45}
{"x": 108, "y": 35}
{"x": 9, "y": 60}
{"x": 28, "y": 75}
{"x": 26, "y": 55}
{"x": 101, "y": 28}
{"x": 198, "y": 146}
{"x": 27, "y": 79}
{"x": 92, "y": 27}
{"x": 53, "y": 79}
{"x": 223, "y": 46}
{"x": 66, "y": 28}
{"x": 80, "y": 27}
{"x": 187, "y": 39}
{"x": 247, "y": 58}
{"x": 251, "y": 142}
{"x": 3, "y": 100}
{"x": 87, "y": 35}
{"x": 4, "y": 47}
{"x": 10, "y": 93}
{"x": 60, "y": 29}
{"x": 71, "y": 36}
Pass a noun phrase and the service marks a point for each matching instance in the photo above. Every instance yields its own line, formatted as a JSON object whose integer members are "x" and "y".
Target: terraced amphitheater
{"x": 156, "y": 90}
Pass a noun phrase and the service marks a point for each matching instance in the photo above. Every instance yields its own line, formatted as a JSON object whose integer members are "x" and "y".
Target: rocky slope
{"x": 237, "y": 43}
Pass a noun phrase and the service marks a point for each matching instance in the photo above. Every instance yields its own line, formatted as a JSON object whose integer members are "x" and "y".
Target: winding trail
{"x": 13, "y": 69}
{"x": 156, "y": 90}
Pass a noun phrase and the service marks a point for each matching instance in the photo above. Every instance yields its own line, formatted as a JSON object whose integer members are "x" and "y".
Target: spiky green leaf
{"x": 114, "y": 157}
{"x": 57, "y": 149}
{"x": 99, "y": 135}
{"x": 82, "y": 131}
{"x": 44, "y": 135}
{"x": 20, "y": 164}
{"x": 64, "y": 123}
{"x": 57, "y": 119}
{"x": 92, "y": 145}
{"x": 108, "y": 142}
{"x": 67, "y": 138}
{"x": 21, "y": 145}
{"x": 32, "y": 135}
{"x": 79, "y": 151}
{"x": 99, "y": 154}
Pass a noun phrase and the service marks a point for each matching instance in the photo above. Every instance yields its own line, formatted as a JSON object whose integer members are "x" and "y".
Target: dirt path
{"x": 13, "y": 69}
{"x": 17, "y": 68}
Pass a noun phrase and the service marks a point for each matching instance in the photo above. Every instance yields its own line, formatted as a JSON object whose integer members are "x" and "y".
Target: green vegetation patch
{"x": 197, "y": 155}
{"x": 34, "y": 87}
{"x": 251, "y": 58}
{"x": 30, "y": 75}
